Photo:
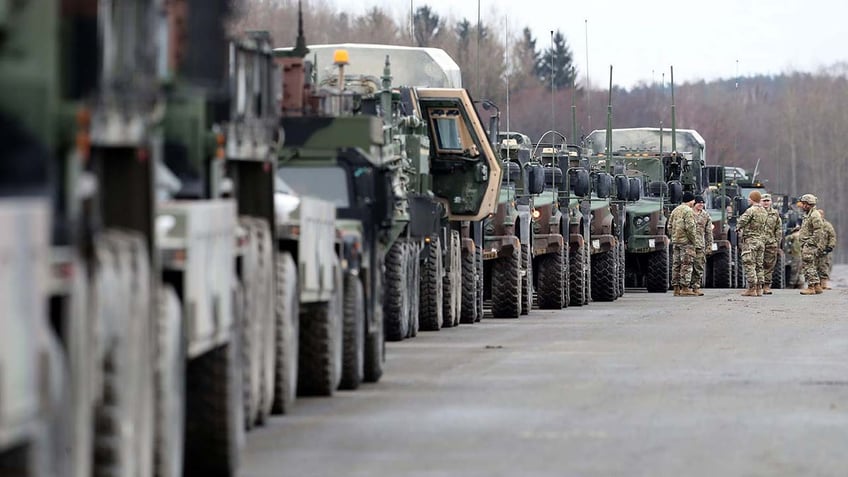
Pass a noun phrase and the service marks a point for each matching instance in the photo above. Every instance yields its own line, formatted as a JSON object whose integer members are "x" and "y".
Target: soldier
{"x": 773, "y": 236}
{"x": 825, "y": 264}
{"x": 752, "y": 227}
{"x": 703, "y": 243}
{"x": 812, "y": 243}
{"x": 683, "y": 237}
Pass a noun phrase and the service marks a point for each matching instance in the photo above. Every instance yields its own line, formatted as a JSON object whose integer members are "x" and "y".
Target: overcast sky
{"x": 642, "y": 38}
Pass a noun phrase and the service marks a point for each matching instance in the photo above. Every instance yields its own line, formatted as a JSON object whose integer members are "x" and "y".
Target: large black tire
{"x": 468, "y": 311}
{"x": 670, "y": 262}
{"x": 741, "y": 280}
{"x": 430, "y": 292}
{"x": 214, "y": 412}
{"x": 621, "y": 270}
{"x": 170, "y": 382}
{"x": 721, "y": 267}
{"x": 452, "y": 283}
{"x": 353, "y": 342}
{"x": 577, "y": 275}
{"x": 128, "y": 379}
{"x": 396, "y": 297}
{"x": 320, "y": 353}
{"x": 506, "y": 286}
{"x": 526, "y": 279}
{"x": 286, "y": 332}
{"x": 551, "y": 283}
{"x": 249, "y": 385}
{"x": 604, "y": 276}
{"x": 778, "y": 278}
{"x": 478, "y": 253}
{"x": 375, "y": 352}
{"x": 656, "y": 278}
{"x": 413, "y": 287}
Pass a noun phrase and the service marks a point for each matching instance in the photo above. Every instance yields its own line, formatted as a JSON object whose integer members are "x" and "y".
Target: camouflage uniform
{"x": 793, "y": 251}
{"x": 812, "y": 245}
{"x": 771, "y": 250}
{"x": 752, "y": 224}
{"x": 683, "y": 236}
{"x": 825, "y": 261}
{"x": 703, "y": 244}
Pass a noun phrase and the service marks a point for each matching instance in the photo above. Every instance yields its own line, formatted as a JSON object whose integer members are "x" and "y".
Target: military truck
{"x": 437, "y": 234}
{"x": 722, "y": 198}
{"x": 509, "y": 236}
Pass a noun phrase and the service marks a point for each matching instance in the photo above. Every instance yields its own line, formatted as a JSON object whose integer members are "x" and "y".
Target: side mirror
{"x": 384, "y": 205}
{"x": 658, "y": 189}
{"x": 535, "y": 179}
{"x": 635, "y": 191}
{"x": 552, "y": 176}
{"x": 622, "y": 188}
{"x": 603, "y": 185}
{"x": 579, "y": 179}
{"x": 740, "y": 204}
{"x": 675, "y": 192}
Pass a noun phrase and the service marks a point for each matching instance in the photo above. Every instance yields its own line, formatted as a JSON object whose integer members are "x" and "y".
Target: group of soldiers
{"x": 760, "y": 232}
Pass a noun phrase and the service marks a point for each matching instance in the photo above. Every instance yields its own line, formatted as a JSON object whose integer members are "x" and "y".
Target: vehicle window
{"x": 328, "y": 183}
{"x": 446, "y": 123}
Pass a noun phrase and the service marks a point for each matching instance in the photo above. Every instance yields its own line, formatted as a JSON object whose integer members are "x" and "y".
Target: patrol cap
{"x": 755, "y": 196}
{"x": 688, "y": 196}
{"x": 808, "y": 199}
{"x": 766, "y": 197}
{"x": 699, "y": 199}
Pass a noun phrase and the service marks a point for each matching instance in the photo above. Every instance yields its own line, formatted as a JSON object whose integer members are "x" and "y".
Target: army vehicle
{"x": 437, "y": 236}
{"x": 722, "y": 199}
{"x": 509, "y": 236}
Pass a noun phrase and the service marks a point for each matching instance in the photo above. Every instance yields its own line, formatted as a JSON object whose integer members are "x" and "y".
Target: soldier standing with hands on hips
{"x": 703, "y": 243}
{"x": 684, "y": 238}
{"x": 752, "y": 228}
{"x": 773, "y": 236}
{"x": 812, "y": 243}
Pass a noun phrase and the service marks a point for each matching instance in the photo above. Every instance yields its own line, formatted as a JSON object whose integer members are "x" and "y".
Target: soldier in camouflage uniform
{"x": 825, "y": 263}
{"x": 684, "y": 238}
{"x": 773, "y": 236}
{"x": 751, "y": 226}
{"x": 703, "y": 243}
{"x": 812, "y": 243}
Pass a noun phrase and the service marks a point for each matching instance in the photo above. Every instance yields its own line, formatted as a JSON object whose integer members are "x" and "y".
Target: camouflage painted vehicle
{"x": 436, "y": 237}
{"x": 509, "y": 235}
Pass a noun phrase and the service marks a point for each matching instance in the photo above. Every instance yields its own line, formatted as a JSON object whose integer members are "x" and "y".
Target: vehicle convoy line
{"x": 648, "y": 386}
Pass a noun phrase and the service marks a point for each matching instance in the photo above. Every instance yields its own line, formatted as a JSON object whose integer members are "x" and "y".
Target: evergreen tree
{"x": 563, "y": 61}
{"x": 428, "y": 26}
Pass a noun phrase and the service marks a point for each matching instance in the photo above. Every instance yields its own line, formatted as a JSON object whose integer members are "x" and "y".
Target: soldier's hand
{"x": 827, "y": 250}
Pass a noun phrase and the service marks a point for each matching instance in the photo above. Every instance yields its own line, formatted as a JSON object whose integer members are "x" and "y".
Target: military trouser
{"x": 823, "y": 265}
{"x": 770, "y": 254}
{"x": 752, "y": 259}
{"x": 682, "y": 260}
{"x": 698, "y": 267}
{"x": 809, "y": 264}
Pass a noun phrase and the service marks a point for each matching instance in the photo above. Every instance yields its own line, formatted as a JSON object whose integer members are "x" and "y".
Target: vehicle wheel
{"x": 778, "y": 280}
{"x": 430, "y": 291}
{"x": 722, "y": 269}
{"x": 604, "y": 276}
{"x": 577, "y": 277}
{"x": 469, "y": 288}
{"x": 127, "y": 371}
{"x": 451, "y": 283}
{"x": 526, "y": 280}
{"x": 375, "y": 350}
{"x": 214, "y": 412}
{"x": 656, "y": 279}
{"x": 621, "y": 269}
{"x": 320, "y": 352}
{"x": 551, "y": 272}
{"x": 413, "y": 288}
{"x": 247, "y": 334}
{"x": 478, "y": 254}
{"x": 741, "y": 281}
{"x": 670, "y": 265}
{"x": 286, "y": 332}
{"x": 396, "y": 298}
{"x": 353, "y": 354}
{"x": 169, "y": 385}
{"x": 506, "y": 286}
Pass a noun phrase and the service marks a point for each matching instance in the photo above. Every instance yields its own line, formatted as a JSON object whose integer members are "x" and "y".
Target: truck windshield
{"x": 328, "y": 183}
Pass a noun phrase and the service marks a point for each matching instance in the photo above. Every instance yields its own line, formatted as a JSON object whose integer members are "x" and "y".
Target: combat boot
{"x": 676, "y": 290}
{"x": 818, "y": 289}
{"x": 810, "y": 290}
{"x": 751, "y": 291}
{"x": 697, "y": 291}
{"x": 766, "y": 290}
{"x": 759, "y": 289}
{"x": 825, "y": 285}
{"x": 686, "y": 291}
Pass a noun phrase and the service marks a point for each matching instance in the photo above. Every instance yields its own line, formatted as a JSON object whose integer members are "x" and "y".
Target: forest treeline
{"x": 795, "y": 125}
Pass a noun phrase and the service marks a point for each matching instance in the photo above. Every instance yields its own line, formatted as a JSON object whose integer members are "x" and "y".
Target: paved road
{"x": 649, "y": 385}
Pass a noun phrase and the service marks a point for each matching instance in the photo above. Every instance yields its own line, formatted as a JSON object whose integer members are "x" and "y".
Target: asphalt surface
{"x": 649, "y": 385}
